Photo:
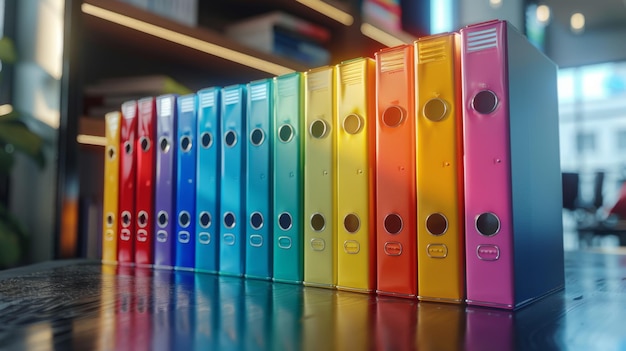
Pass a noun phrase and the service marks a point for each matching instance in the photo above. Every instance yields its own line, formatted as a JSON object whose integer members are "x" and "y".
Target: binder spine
{"x": 232, "y": 194}
{"x": 258, "y": 214}
{"x": 288, "y": 235}
{"x": 146, "y": 125}
{"x": 111, "y": 187}
{"x": 355, "y": 198}
{"x": 441, "y": 252}
{"x": 489, "y": 248}
{"x": 395, "y": 178}
{"x": 186, "y": 182}
{"x": 165, "y": 182}
{"x": 126, "y": 227}
{"x": 319, "y": 178}
{"x": 208, "y": 184}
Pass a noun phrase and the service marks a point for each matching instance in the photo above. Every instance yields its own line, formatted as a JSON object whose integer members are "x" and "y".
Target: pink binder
{"x": 513, "y": 199}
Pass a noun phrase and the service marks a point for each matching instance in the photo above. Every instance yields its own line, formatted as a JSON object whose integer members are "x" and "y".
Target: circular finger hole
{"x": 352, "y": 223}
{"x": 142, "y": 219}
{"x": 393, "y": 116}
{"x": 436, "y": 224}
{"x": 126, "y": 218}
{"x": 205, "y": 219}
{"x": 256, "y": 220}
{"x": 257, "y": 137}
{"x": 111, "y": 153}
{"x": 285, "y": 221}
{"x": 229, "y": 220}
{"x": 185, "y": 143}
{"x": 145, "y": 143}
{"x": 206, "y": 139}
{"x": 487, "y": 224}
{"x": 285, "y": 133}
{"x": 230, "y": 138}
{"x": 318, "y": 222}
{"x": 485, "y": 102}
{"x": 318, "y": 129}
{"x": 435, "y": 109}
{"x": 164, "y": 144}
{"x": 128, "y": 148}
{"x": 393, "y": 223}
{"x": 352, "y": 124}
{"x": 162, "y": 219}
{"x": 184, "y": 219}
{"x": 110, "y": 219}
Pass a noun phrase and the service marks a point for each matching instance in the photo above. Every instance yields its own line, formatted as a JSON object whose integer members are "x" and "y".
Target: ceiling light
{"x": 543, "y": 14}
{"x": 577, "y": 23}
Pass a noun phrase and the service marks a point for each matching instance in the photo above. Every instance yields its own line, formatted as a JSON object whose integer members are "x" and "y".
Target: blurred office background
{"x": 585, "y": 38}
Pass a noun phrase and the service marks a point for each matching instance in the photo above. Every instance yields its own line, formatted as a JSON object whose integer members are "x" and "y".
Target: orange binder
{"x": 395, "y": 172}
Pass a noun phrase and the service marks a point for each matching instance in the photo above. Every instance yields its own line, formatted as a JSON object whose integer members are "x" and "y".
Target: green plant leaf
{"x": 6, "y": 161}
{"x": 10, "y": 248}
{"x": 22, "y": 139}
{"x": 7, "y": 50}
{"x": 9, "y": 117}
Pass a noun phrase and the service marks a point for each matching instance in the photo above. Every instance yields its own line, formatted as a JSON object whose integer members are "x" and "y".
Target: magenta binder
{"x": 513, "y": 199}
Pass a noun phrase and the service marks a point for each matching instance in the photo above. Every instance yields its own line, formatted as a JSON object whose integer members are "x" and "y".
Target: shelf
{"x": 126, "y": 31}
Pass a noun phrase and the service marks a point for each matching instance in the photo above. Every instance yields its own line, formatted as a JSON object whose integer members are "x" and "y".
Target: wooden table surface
{"x": 82, "y": 305}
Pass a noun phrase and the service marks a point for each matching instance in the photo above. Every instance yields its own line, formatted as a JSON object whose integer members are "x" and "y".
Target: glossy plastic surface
{"x": 82, "y": 304}
{"x": 126, "y": 201}
{"x": 165, "y": 182}
{"x": 287, "y": 153}
{"x": 396, "y": 193}
{"x": 144, "y": 209}
{"x": 208, "y": 184}
{"x": 487, "y": 164}
{"x": 440, "y": 229}
{"x": 258, "y": 215}
{"x": 319, "y": 178}
{"x": 186, "y": 182}
{"x": 111, "y": 187}
{"x": 356, "y": 159}
{"x": 232, "y": 193}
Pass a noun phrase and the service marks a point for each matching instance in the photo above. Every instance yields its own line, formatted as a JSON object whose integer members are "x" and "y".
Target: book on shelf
{"x": 271, "y": 20}
{"x": 281, "y": 34}
{"x": 181, "y": 11}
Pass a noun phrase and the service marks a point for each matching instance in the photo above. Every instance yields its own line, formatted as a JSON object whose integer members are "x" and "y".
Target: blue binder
{"x": 259, "y": 179}
{"x": 208, "y": 176}
{"x": 288, "y": 234}
{"x": 186, "y": 183}
{"x": 232, "y": 192}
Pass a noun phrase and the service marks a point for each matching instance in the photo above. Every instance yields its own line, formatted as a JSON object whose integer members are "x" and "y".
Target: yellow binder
{"x": 319, "y": 178}
{"x": 355, "y": 132}
{"x": 440, "y": 238}
{"x": 111, "y": 187}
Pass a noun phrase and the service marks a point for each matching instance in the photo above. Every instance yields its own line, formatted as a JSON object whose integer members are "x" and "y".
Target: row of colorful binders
{"x": 429, "y": 171}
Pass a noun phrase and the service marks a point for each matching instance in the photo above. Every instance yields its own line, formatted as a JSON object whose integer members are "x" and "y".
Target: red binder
{"x": 126, "y": 228}
{"x": 144, "y": 201}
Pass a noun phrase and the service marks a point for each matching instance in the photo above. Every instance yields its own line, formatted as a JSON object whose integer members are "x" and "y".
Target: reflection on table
{"x": 86, "y": 305}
